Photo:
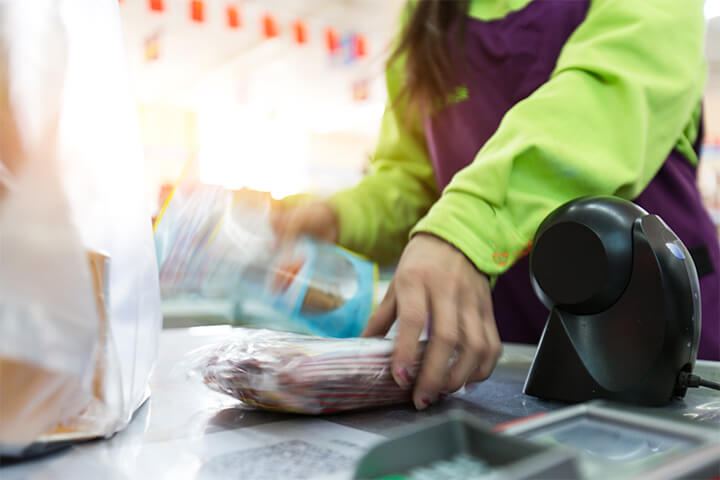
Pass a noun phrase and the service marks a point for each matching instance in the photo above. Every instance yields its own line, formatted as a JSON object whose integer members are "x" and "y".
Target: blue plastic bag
{"x": 214, "y": 244}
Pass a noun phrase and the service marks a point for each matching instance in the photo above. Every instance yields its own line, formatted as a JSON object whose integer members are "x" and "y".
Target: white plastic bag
{"x": 79, "y": 298}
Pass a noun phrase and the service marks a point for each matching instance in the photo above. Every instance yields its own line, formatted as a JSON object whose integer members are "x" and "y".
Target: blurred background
{"x": 286, "y": 96}
{"x": 709, "y": 177}
{"x": 281, "y": 96}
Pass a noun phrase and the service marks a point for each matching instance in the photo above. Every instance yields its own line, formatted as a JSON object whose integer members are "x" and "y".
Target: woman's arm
{"x": 375, "y": 217}
{"x": 624, "y": 88}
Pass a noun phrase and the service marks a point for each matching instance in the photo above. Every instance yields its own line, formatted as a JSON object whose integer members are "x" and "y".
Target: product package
{"x": 300, "y": 373}
{"x": 213, "y": 243}
{"x": 79, "y": 295}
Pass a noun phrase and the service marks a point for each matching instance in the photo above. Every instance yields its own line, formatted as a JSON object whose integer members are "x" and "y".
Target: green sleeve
{"x": 376, "y": 215}
{"x": 623, "y": 90}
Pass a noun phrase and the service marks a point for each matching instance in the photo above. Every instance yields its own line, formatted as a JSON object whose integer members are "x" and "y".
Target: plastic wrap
{"x": 300, "y": 373}
{"x": 214, "y": 243}
{"x": 79, "y": 297}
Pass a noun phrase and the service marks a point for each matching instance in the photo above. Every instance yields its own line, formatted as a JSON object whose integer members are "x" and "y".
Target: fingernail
{"x": 404, "y": 374}
{"x": 402, "y": 377}
{"x": 423, "y": 401}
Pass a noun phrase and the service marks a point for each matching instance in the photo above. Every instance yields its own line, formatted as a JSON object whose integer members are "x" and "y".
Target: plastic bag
{"x": 79, "y": 297}
{"x": 300, "y": 373}
{"x": 215, "y": 243}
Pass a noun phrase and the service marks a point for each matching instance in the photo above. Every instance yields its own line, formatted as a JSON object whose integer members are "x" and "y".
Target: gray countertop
{"x": 187, "y": 431}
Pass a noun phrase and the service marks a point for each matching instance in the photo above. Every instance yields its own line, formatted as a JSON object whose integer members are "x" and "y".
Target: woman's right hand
{"x": 317, "y": 219}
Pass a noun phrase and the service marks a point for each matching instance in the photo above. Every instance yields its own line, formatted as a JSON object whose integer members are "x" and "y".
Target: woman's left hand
{"x": 436, "y": 281}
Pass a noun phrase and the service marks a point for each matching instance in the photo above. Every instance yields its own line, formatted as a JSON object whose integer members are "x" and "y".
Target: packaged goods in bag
{"x": 79, "y": 296}
{"x": 213, "y": 243}
{"x": 300, "y": 373}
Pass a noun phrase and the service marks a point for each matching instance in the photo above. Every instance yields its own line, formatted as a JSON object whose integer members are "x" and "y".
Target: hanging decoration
{"x": 300, "y": 32}
{"x": 344, "y": 48}
{"x": 360, "y": 90}
{"x": 156, "y": 5}
{"x": 332, "y": 40}
{"x": 347, "y": 47}
{"x": 359, "y": 46}
{"x": 270, "y": 26}
{"x": 197, "y": 11}
{"x": 232, "y": 13}
{"x": 152, "y": 47}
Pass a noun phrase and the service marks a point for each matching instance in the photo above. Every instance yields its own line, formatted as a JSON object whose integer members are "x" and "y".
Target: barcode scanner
{"x": 624, "y": 302}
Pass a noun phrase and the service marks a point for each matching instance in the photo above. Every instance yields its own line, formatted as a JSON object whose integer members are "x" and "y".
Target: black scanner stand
{"x": 624, "y": 303}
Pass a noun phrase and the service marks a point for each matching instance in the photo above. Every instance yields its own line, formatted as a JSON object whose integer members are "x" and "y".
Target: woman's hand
{"x": 436, "y": 281}
{"x": 316, "y": 219}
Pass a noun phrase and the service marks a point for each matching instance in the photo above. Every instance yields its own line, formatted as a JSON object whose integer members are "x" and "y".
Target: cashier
{"x": 499, "y": 111}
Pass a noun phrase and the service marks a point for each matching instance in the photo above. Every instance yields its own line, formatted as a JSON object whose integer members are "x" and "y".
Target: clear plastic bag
{"x": 214, "y": 243}
{"x": 300, "y": 373}
{"x": 79, "y": 297}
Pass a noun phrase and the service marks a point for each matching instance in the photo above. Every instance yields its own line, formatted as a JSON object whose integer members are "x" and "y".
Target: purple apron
{"x": 508, "y": 59}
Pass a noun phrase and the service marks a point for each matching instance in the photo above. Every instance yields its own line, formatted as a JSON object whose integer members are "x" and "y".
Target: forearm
{"x": 376, "y": 216}
{"x": 619, "y": 100}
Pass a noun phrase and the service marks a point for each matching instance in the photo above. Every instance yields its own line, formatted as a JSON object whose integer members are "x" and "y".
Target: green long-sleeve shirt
{"x": 639, "y": 62}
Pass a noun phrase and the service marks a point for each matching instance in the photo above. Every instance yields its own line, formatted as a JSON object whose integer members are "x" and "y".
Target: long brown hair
{"x": 425, "y": 41}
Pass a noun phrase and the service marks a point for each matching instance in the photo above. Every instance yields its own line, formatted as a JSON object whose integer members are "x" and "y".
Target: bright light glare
{"x": 712, "y": 9}
{"x": 329, "y": 119}
{"x": 242, "y": 148}
{"x": 261, "y": 137}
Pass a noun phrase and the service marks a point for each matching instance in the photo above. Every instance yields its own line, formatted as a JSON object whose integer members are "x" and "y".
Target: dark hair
{"x": 425, "y": 41}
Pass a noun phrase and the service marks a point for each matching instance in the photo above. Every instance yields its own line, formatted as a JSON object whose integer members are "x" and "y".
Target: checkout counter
{"x": 186, "y": 431}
